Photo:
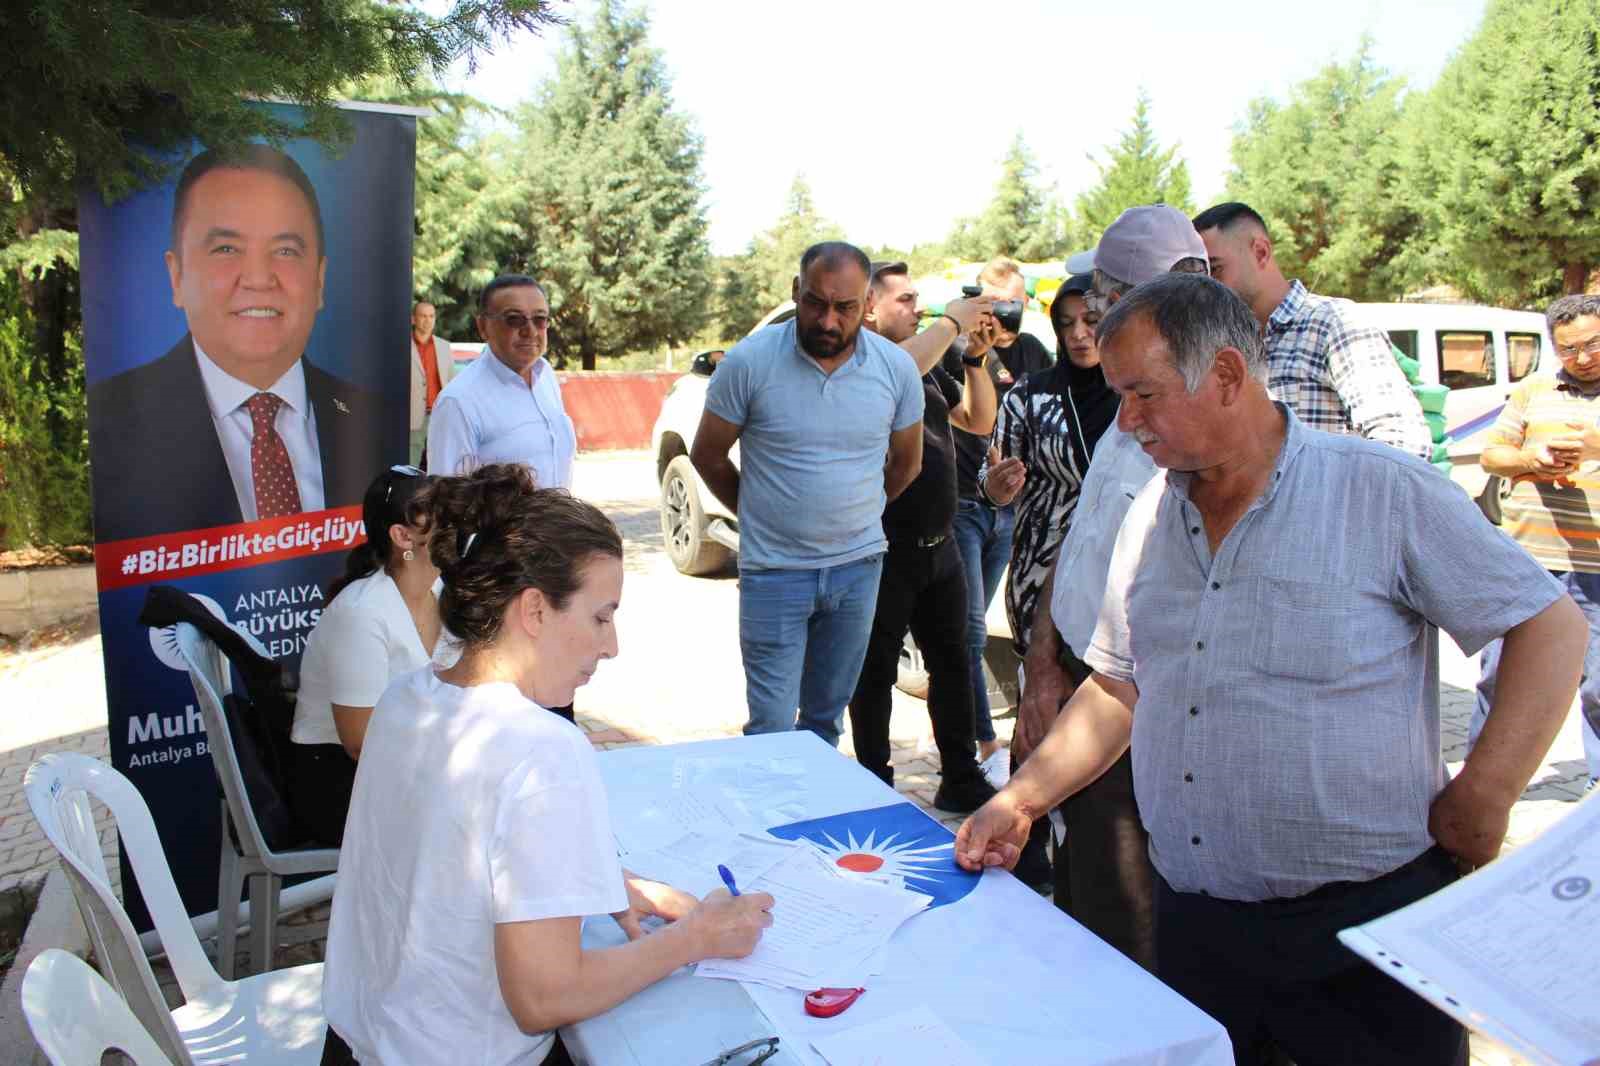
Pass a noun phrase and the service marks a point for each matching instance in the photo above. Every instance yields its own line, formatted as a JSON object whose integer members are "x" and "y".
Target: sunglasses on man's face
{"x": 516, "y": 321}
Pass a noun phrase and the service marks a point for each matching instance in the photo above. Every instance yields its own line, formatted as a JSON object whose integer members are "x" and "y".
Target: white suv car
{"x": 701, "y": 535}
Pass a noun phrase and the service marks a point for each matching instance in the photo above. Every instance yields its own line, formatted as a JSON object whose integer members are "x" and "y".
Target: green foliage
{"x": 1022, "y": 220}
{"x": 39, "y": 253}
{"x": 468, "y": 202}
{"x": 614, "y": 195}
{"x": 1136, "y": 171}
{"x": 95, "y": 81}
{"x": 44, "y": 483}
{"x": 750, "y": 285}
{"x": 1506, "y": 163}
{"x": 1323, "y": 170}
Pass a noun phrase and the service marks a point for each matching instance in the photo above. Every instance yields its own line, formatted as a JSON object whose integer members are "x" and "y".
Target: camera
{"x": 1006, "y": 312}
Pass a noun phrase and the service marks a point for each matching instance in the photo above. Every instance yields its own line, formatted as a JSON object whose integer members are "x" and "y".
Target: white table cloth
{"x": 1013, "y": 976}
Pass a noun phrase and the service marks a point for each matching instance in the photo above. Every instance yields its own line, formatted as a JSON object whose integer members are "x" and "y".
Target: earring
{"x": 408, "y": 555}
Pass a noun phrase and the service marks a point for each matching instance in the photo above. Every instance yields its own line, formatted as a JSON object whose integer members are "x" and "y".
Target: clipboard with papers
{"x": 1508, "y": 950}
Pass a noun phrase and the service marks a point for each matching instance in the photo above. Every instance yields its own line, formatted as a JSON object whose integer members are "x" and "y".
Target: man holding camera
{"x": 923, "y": 588}
{"x": 982, "y": 530}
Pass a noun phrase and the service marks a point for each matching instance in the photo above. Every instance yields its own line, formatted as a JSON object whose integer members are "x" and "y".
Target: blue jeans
{"x": 983, "y": 534}
{"x": 1585, "y": 589}
{"x": 803, "y": 635}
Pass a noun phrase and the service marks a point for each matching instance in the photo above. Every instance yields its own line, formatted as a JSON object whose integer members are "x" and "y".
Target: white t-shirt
{"x": 365, "y": 637}
{"x": 472, "y": 807}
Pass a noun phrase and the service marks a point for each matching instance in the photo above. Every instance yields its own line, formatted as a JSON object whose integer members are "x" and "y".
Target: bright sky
{"x": 898, "y": 112}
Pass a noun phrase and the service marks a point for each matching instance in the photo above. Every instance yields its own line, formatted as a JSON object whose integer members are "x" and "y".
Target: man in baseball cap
{"x": 1111, "y": 893}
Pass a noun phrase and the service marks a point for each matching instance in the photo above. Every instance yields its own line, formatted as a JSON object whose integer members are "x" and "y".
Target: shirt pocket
{"x": 1309, "y": 629}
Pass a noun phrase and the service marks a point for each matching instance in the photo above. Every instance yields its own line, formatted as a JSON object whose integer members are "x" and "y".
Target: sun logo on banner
{"x": 895, "y": 840}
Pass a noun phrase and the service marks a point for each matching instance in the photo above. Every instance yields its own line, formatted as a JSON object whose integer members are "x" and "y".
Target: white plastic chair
{"x": 245, "y": 852}
{"x": 76, "y": 1017}
{"x": 274, "y": 1017}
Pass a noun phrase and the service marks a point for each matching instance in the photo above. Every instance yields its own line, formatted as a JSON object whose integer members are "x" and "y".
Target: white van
{"x": 1477, "y": 353}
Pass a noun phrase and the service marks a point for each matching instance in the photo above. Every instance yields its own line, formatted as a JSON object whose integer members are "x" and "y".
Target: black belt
{"x": 920, "y": 542}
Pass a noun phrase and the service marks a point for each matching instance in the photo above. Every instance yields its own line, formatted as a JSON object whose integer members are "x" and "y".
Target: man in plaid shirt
{"x": 1336, "y": 373}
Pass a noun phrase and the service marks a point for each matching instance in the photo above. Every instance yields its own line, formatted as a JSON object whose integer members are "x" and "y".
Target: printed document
{"x": 1511, "y": 949}
{"x": 826, "y": 930}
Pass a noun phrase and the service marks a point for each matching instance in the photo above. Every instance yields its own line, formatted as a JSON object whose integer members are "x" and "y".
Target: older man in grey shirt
{"x": 1268, "y": 638}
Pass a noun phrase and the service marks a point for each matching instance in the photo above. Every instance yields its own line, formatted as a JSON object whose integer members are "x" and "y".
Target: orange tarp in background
{"x": 614, "y": 409}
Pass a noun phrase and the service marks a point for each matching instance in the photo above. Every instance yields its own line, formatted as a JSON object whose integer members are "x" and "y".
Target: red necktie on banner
{"x": 270, "y": 470}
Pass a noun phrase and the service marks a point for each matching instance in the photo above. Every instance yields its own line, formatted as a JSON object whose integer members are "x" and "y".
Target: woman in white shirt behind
{"x": 479, "y": 835}
{"x": 380, "y": 620}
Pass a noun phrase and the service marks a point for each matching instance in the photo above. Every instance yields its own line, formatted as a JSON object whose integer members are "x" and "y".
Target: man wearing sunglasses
{"x": 233, "y": 424}
{"x": 1547, "y": 444}
{"x": 505, "y": 406}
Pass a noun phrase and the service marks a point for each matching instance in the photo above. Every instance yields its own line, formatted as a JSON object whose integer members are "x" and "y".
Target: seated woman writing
{"x": 380, "y": 620}
{"x": 479, "y": 835}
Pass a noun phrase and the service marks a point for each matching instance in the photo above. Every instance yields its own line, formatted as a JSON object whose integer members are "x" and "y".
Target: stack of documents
{"x": 711, "y": 795}
{"x": 829, "y": 928}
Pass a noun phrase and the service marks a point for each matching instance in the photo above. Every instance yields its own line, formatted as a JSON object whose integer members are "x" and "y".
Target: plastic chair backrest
{"x": 56, "y": 786}
{"x": 76, "y": 1017}
{"x": 213, "y": 682}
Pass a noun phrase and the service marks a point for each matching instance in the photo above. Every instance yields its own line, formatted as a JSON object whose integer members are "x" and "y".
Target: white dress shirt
{"x": 295, "y": 422}
{"x": 488, "y": 414}
{"x": 1119, "y": 469}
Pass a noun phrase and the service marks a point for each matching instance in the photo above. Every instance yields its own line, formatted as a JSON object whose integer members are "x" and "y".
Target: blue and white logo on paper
{"x": 897, "y": 839}
{"x": 1570, "y": 888}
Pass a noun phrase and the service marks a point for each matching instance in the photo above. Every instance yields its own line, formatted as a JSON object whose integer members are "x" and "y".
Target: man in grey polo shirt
{"x": 828, "y": 418}
{"x": 1267, "y": 640}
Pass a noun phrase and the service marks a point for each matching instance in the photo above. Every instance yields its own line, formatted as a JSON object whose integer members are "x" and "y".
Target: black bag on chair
{"x": 259, "y": 713}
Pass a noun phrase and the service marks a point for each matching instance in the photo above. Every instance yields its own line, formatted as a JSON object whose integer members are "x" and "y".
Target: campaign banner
{"x": 245, "y": 346}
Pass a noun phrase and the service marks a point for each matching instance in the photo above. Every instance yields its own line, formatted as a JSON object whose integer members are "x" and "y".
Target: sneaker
{"x": 963, "y": 795}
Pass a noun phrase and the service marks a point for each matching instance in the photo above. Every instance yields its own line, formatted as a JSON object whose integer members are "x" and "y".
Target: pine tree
{"x": 1322, "y": 170}
{"x": 1022, "y": 220}
{"x": 1137, "y": 171}
{"x": 468, "y": 200}
{"x": 615, "y": 195}
{"x": 762, "y": 278}
{"x": 1505, "y": 154}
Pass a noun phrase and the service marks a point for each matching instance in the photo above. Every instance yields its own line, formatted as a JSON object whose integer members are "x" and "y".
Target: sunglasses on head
{"x": 405, "y": 469}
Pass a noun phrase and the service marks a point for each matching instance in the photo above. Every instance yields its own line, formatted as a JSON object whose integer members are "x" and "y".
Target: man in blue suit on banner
{"x": 232, "y": 424}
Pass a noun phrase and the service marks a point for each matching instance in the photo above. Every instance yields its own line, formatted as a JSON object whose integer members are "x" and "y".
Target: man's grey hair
{"x": 1568, "y": 308}
{"x": 1196, "y": 318}
{"x": 1109, "y": 287}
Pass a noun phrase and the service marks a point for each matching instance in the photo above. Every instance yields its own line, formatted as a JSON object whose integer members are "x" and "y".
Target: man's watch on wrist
{"x": 975, "y": 360}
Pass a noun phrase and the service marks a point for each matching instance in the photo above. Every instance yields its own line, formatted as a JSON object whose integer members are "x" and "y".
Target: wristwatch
{"x": 975, "y": 360}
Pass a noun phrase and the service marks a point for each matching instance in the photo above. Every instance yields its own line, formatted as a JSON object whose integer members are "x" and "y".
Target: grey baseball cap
{"x": 1145, "y": 242}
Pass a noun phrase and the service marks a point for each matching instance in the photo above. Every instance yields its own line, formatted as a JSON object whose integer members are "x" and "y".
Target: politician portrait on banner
{"x": 240, "y": 321}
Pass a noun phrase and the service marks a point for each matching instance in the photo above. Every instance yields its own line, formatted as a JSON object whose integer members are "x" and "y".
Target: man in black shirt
{"x": 983, "y": 531}
{"x": 923, "y": 587}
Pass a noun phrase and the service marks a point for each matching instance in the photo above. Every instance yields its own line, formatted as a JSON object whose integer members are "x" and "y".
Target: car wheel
{"x": 683, "y": 523}
{"x": 1493, "y": 496}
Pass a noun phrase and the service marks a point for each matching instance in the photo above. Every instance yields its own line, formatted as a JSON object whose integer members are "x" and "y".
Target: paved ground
{"x": 678, "y": 678}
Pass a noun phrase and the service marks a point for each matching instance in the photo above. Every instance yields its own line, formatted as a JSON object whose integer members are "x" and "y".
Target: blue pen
{"x": 727, "y": 878}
